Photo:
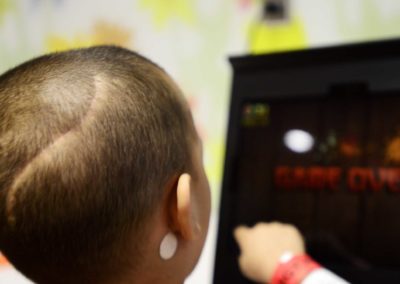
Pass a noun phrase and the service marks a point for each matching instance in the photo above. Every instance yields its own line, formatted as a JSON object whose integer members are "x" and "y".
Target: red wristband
{"x": 294, "y": 270}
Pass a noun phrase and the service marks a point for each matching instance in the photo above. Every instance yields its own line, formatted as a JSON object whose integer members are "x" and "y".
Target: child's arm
{"x": 274, "y": 253}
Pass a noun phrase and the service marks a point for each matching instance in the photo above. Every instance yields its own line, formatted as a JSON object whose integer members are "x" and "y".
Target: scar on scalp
{"x": 46, "y": 154}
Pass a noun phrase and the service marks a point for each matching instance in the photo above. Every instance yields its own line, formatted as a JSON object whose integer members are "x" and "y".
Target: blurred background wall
{"x": 192, "y": 40}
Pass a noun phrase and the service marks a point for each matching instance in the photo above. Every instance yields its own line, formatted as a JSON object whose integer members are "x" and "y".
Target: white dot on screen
{"x": 298, "y": 141}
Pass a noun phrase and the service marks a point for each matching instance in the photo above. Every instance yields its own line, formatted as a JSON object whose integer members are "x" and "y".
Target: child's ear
{"x": 182, "y": 210}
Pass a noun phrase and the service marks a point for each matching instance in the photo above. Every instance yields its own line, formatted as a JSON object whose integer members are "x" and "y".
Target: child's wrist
{"x": 293, "y": 268}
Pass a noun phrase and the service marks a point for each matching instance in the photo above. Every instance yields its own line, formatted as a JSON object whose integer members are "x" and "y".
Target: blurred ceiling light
{"x": 298, "y": 140}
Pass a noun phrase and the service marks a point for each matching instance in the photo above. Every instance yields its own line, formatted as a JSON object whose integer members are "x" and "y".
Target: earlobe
{"x": 180, "y": 216}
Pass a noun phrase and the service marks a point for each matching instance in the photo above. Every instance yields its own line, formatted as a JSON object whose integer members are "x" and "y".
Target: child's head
{"x": 94, "y": 144}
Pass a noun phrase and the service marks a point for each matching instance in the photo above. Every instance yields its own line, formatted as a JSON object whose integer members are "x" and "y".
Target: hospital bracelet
{"x": 292, "y": 269}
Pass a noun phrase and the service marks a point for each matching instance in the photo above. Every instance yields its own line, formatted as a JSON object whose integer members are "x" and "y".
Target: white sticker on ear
{"x": 168, "y": 246}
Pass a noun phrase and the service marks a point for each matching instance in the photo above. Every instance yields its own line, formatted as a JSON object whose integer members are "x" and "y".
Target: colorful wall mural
{"x": 192, "y": 40}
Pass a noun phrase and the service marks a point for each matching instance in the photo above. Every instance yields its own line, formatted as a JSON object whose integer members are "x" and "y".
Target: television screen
{"x": 322, "y": 152}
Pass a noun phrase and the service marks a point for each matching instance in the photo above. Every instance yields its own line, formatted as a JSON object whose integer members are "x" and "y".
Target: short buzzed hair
{"x": 88, "y": 140}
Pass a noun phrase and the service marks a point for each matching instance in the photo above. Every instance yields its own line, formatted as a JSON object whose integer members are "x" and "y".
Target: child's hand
{"x": 263, "y": 245}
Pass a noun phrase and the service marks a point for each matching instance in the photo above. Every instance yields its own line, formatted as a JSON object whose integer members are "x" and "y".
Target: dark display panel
{"x": 344, "y": 192}
{"x": 314, "y": 140}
